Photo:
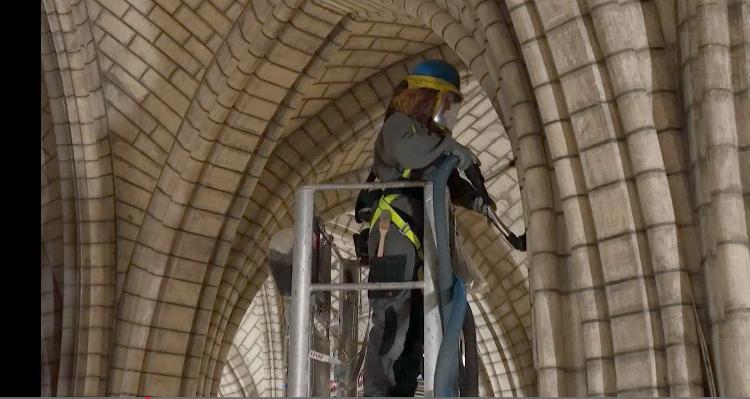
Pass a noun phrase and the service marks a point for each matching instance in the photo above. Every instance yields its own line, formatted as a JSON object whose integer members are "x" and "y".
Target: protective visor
{"x": 445, "y": 113}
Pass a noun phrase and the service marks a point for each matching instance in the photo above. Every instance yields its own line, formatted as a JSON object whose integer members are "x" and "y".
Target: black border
{"x": 22, "y": 286}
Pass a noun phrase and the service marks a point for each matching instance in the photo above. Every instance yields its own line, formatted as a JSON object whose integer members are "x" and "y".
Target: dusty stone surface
{"x": 174, "y": 134}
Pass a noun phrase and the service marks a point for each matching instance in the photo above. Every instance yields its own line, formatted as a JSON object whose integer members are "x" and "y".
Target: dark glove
{"x": 481, "y": 206}
{"x": 477, "y": 180}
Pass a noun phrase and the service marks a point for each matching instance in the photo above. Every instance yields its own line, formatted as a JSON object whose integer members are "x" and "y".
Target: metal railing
{"x": 298, "y": 382}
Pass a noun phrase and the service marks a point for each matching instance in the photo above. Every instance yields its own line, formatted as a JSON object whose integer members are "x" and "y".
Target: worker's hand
{"x": 466, "y": 157}
{"x": 483, "y": 206}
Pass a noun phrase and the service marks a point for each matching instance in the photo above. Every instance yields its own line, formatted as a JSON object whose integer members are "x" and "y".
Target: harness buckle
{"x": 405, "y": 228}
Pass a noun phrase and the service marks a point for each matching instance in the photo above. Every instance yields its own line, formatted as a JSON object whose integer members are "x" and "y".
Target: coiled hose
{"x": 450, "y": 290}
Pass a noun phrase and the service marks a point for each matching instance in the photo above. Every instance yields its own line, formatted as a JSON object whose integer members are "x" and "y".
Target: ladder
{"x": 299, "y": 365}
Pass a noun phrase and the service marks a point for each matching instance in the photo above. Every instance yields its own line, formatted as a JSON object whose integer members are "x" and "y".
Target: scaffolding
{"x": 299, "y": 365}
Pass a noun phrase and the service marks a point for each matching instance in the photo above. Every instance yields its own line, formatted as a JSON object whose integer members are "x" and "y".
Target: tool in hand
{"x": 517, "y": 242}
{"x": 477, "y": 180}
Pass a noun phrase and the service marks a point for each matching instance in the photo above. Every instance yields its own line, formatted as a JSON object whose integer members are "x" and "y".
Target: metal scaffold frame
{"x": 298, "y": 382}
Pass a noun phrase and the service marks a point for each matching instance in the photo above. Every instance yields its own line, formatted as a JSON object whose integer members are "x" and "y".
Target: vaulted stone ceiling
{"x": 174, "y": 134}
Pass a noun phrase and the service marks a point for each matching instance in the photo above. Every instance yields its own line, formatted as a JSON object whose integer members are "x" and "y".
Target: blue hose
{"x": 450, "y": 288}
{"x": 444, "y": 274}
{"x": 446, "y": 369}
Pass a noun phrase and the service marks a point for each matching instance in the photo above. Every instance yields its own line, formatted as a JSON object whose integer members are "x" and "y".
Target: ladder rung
{"x": 409, "y": 285}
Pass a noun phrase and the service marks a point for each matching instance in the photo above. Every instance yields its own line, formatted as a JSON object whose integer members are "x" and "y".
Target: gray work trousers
{"x": 394, "y": 347}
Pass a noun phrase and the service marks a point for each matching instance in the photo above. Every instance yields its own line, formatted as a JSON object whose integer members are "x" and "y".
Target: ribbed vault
{"x": 174, "y": 134}
{"x": 490, "y": 254}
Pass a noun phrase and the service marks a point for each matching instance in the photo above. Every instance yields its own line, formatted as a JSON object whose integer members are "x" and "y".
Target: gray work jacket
{"x": 404, "y": 143}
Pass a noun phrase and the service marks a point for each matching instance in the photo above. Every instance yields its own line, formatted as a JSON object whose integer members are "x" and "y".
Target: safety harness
{"x": 384, "y": 204}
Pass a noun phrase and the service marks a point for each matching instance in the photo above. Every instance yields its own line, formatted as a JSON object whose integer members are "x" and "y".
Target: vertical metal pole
{"x": 433, "y": 331}
{"x": 299, "y": 348}
{"x": 321, "y": 309}
{"x": 349, "y": 308}
{"x": 321, "y": 371}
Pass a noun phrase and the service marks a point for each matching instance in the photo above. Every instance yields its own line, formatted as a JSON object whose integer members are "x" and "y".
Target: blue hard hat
{"x": 438, "y": 69}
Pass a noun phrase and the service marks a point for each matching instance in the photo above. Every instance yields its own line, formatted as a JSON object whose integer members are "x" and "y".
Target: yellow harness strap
{"x": 385, "y": 204}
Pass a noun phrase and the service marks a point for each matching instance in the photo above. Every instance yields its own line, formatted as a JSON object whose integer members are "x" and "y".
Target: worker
{"x": 415, "y": 134}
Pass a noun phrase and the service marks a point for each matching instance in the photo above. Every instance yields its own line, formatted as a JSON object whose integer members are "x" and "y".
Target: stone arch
{"x": 146, "y": 249}
{"x": 176, "y": 191}
{"x": 515, "y": 105}
{"x": 253, "y": 210}
{"x": 75, "y": 99}
{"x": 259, "y": 345}
{"x": 643, "y": 233}
{"x": 337, "y": 202}
{"x": 53, "y": 253}
{"x": 238, "y": 381}
{"x": 158, "y": 205}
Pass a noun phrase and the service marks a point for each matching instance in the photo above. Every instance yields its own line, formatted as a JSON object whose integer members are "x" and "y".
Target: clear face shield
{"x": 446, "y": 111}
